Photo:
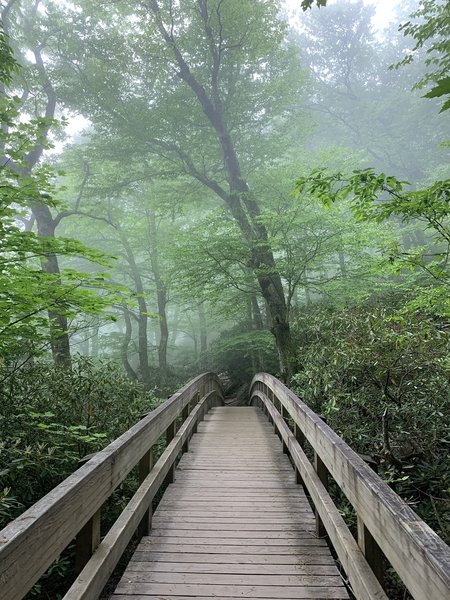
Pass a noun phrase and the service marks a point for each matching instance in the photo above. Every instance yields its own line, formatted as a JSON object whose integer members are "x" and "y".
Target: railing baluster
{"x": 86, "y": 541}
{"x": 185, "y": 415}
{"x": 300, "y": 437}
{"x": 170, "y": 434}
{"x": 195, "y": 401}
{"x": 145, "y": 466}
{"x": 371, "y": 550}
{"x": 322, "y": 473}
{"x": 285, "y": 415}
{"x": 88, "y": 538}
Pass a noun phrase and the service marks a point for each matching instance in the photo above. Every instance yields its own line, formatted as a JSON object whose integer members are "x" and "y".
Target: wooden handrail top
{"x": 417, "y": 553}
{"x": 30, "y": 543}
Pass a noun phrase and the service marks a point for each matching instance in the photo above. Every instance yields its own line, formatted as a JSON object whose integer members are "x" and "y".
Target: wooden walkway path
{"x": 234, "y": 524}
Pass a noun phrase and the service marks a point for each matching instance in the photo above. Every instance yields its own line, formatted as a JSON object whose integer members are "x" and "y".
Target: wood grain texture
{"x": 94, "y": 576}
{"x": 364, "y": 584}
{"x": 30, "y": 544}
{"x": 233, "y": 524}
{"x": 416, "y": 552}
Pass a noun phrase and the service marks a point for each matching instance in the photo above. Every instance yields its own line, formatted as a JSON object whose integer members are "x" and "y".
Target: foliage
{"x": 379, "y": 197}
{"x": 381, "y": 380}
{"x": 240, "y": 354}
{"x": 27, "y": 290}
{"x": 358, "y": 103}
{"x": 51, "y": 417}
{"x": 430, "y": 30}
{"x": 309, "y": 3}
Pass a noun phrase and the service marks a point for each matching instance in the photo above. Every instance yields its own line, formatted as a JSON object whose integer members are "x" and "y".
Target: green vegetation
{"x": 208, "y": 184}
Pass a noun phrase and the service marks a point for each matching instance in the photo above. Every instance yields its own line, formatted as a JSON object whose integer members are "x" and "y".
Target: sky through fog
{"x": 385, "y": 10}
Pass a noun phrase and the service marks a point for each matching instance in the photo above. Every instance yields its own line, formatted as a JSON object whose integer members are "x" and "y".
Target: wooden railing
{"x": 30, "y": 544}
{"x": 386, "y": 524}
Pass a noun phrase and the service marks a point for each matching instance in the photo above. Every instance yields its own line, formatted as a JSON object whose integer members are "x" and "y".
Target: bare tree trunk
{"x": 342, "y": 265}
{"x": 125, "y": 345}
{"x": 203, "y": 335}
{"x": 58, "y": 325}
{"x": 144, "y": 366}
{"x": 161, "y": 295}
{"x": 238, "y": 197}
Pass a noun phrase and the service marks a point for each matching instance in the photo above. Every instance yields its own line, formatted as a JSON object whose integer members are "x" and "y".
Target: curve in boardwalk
{"x": 234, "y": 524}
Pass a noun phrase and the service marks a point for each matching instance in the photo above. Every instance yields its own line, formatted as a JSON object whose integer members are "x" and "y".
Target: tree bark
{"x": 144, "y": 366}
{"x": 239, "y": 198}
{"x": 256, "y": 313}
{"x": 203, "y": 335}
{"x": 161, "y": 296}
{"x": 342, "y": 265}
{"x": 125, "y": 345}
{"x": 58, "y": 325}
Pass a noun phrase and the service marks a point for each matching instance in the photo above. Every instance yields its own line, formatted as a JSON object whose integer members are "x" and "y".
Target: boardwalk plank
{"x": 234, "y": 524}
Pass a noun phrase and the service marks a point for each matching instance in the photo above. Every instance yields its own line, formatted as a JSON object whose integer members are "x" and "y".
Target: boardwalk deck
{"x": 234, "y": 524}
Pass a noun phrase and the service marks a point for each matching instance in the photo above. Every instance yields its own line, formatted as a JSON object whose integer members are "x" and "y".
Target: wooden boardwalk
{"x": 234, "y": 524}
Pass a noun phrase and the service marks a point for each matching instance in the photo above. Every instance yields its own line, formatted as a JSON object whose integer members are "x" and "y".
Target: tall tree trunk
{"x": 125, "y": 345}
{"x": 161, "y": 296}
{"x": 144, "y": 366}
{"x": 203, "y": 335}
{"x": 58, "y": 325}
{"x": 256, "y": 313}
{"x": 307, "y": 292}
{"x": 238, "y": 197}
{"x": 342, "y": 265}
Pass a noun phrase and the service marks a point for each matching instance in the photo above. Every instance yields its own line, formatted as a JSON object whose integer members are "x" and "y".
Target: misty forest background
{"x": 223, "y": 185}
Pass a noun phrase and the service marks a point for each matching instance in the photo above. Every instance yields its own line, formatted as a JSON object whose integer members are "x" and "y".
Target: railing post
{"x": 322, "y": 473}
{"x": 371, "y": 550}
{"x": 185, "y": 415}
{"x": 145, "y": 466}
{"x": 170, "y": 434}
{"x": 195, "y": 399}
{"x": 285, "y": 415}
{"x": 88, "y": 538}
{"x": 86, "y": 542}
{"x": 300, "y": 437}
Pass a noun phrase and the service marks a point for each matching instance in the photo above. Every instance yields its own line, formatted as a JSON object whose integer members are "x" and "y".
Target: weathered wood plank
{"x": 232, "y": 568}
{"x": 222, "y": 532}
{"x": 134, "y": 576}
{"x": 268, "y": 561}
{"x": 268, "y": 534}
{"x": 236, "y": 591}
{"x": 234, "y": 549}
{"x": 418, "y": 555}
{"x": 32, "y": 542}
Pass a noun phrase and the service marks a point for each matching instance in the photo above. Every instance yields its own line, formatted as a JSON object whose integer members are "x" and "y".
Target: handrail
{"x": 385, "y": 522}
{"x": 30, "y": 543}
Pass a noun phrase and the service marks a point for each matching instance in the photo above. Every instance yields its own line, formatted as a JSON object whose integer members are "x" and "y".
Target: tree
{"x": 377, "y": 197}
{"x": 26, "y": 289}
{"x": 206, "y": 93}
{"x": 44, "y": 119}
{"x": 358, "y": 101}
{"x": 431, "y": 33}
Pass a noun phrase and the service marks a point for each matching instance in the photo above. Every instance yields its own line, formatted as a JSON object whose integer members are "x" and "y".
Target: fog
{"x": 178, "y": 146}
